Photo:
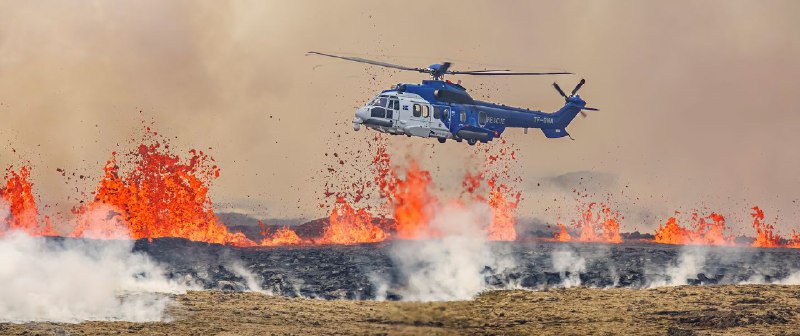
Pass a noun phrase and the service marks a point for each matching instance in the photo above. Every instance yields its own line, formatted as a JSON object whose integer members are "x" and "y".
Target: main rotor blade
{"x": 505, "y": 73}
{"x": 495, "y": 70}
{"x": 589, "y": 108}
{"x": 364, "y": 60}
{"x": 558, "y": 88}
{"x": 578, "y": 87}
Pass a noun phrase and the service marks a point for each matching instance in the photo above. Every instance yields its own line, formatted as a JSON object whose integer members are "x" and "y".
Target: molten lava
{"x": 765, "y": 233}
{"x": 282, "y": 236}
{"x": 794, "y": 242}
{"x": 22, "y": 212}
{"x": 160, "y": 196}
{"x": 562, "y": 234}
{"x": 350, "y": 226}
{"x": 601, "y": 226}
{"x": 712, "y": 232}
{"x": 503, "y": 216}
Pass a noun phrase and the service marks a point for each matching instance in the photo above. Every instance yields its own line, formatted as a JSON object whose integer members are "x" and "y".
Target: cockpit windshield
{"x": 380, "y": 101}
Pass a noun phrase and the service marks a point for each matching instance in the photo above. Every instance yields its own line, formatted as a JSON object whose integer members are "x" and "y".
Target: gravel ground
{"x": 684, "y": 310}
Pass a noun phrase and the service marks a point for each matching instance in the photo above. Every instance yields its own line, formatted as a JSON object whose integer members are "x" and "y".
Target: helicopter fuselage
{"x": 444, "y": 110}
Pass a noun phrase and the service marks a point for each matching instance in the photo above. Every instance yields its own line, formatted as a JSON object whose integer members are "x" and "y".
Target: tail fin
{"x": 563, "y": 117}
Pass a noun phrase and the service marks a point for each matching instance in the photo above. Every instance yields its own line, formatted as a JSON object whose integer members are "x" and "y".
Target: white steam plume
{"x": 77, "y": 280}
{"x": 450, "y": 266}
{"x": 691, "y": 261}
{"x": 567, "y": 261}
{"x": 251, "y": 280}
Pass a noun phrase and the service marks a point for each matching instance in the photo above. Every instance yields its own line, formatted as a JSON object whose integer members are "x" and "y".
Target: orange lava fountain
{"x": 703, "y": 232}
{"x": 601, "y": 226}
{"x": 350, "y": 226}
{"x": 503, "y": 199}
{"x": 503, "y": 214}
{"x": 159, "y": 197}
{"x": 794, "y": 242}
{"x": 409, "y": 198}
{"x": 765, "y": 233}
{"x": 561, "y": 234}
{"x": 23, "y": 214}
{"x": 282, "y": 236}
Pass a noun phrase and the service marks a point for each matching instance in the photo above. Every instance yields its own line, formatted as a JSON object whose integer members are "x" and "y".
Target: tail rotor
{"x": 572, "y": 94}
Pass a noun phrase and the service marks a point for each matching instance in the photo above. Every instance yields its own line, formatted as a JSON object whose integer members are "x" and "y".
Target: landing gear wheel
{"x": 442, "y": 140}
{"x": 471, "y": 142}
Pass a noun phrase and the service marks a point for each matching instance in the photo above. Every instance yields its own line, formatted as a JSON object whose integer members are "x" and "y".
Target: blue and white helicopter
{"x": 444, "y": 110}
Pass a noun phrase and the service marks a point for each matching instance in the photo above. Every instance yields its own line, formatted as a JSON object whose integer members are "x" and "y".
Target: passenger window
{"x": 417, "y": 110}
{"x": 437, "y": 112}
{"x": 426, "y": 111}
{"x": 463, "y": 116}
{"x": 481, "y": 118}
{"x": 445, "y": 114}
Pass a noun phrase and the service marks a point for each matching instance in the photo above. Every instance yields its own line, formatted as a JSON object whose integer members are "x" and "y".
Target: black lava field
{"x": 349, "y": 272}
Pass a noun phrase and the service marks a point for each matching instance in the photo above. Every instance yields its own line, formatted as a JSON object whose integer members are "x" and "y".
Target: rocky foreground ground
{"x": 684, "y": 310}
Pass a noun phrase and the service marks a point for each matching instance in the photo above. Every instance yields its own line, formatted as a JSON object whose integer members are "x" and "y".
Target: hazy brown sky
{"x": 697, "y": 98}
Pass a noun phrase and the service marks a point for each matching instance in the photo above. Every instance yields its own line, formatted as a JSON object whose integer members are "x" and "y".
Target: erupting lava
{"x": 408, "y": 198}
{"x": 160, "y": 196}
{"x": 765, "y": 233}
{"x": 350, "y": 226}
{"x": 411, "y": 201}
{"x": 703, "y": 232}
{"x": 282, "y": 236}
{"x": 561, "y": 234}
{"x": 156, "y": 194}
{"x": 601, "y": 226}
{"x": 22, "y": 212}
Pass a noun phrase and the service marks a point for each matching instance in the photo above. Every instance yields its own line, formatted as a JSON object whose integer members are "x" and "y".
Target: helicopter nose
{"x": 361, "y": 115}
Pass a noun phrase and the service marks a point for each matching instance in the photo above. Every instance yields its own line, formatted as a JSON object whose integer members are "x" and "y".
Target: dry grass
{"x": 687, "y": 310}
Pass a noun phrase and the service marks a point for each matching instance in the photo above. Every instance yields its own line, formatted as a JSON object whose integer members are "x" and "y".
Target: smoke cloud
{"x": 77, "y": 280}
{"x": 454, "y": 265}
{"x": 696, "y": 97}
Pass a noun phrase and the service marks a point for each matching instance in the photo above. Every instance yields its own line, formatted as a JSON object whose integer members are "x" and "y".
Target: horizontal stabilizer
{"x": 555, "y": 132}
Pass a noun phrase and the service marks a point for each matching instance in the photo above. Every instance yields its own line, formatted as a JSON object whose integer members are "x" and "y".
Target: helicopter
{"x": 438, "y": 108}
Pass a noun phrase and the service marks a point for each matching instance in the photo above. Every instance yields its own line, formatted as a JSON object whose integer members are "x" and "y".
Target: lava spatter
{"x": 158, "y": 195}
{"x": 765, "y": 232}
{"x": 598, "y": 223}
{"x": 709, "y": 230}
{"x": 346, "y": 225}
{"x": 23, "y": 212}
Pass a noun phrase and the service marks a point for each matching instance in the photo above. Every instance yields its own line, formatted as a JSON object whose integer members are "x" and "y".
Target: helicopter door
{"x": 419, "y": 123}
{"x": 393, "y": 110}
